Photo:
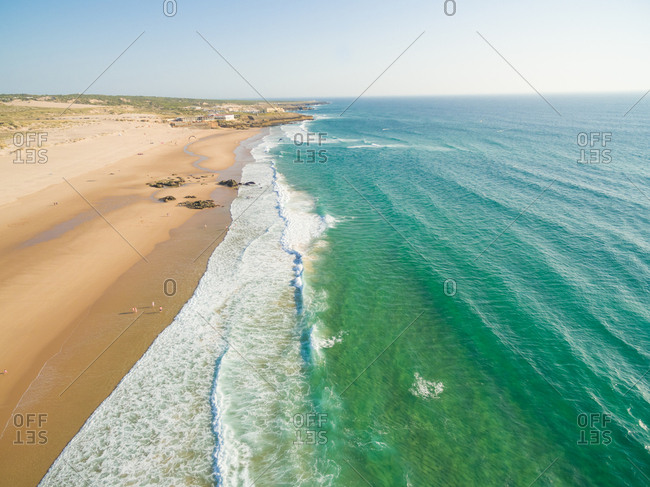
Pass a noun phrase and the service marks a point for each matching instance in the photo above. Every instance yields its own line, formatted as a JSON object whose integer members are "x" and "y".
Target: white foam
{"x": 375, "y": 146}
{"x": 426, "y": 389}
{"x": 321, "y": 343}
{"x": 255, "y": 410}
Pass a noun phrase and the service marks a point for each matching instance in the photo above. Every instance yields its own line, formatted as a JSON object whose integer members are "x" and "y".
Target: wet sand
{"x": 69, "y": 278}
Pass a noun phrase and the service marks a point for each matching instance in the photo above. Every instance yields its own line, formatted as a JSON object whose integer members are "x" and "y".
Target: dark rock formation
{"x": 165, "y": 199}
{"x": 198, "y": 204}
{"x": 170, "y": 183}
{"x": 231, "y": 183}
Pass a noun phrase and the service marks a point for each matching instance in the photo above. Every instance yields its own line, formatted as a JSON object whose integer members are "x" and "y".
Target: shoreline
{"x": 94, "y": 336}
{"x": 163, "y": 417}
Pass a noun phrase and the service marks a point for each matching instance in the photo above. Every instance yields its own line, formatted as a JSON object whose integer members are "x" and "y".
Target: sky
{"x": 303, "y": 49}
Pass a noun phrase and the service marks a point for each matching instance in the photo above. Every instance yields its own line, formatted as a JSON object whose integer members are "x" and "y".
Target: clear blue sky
{"x": 304, "y": 49}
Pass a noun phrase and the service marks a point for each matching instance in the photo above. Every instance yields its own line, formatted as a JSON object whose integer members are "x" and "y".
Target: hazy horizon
{"x": 324, "y": 98}
{"x": 290, "y": 50}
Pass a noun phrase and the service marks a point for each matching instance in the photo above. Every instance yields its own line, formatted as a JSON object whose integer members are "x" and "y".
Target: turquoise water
{"x": 466, "y": 342}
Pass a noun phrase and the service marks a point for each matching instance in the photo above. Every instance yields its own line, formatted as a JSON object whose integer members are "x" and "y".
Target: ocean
{"x": 447, "y": 291}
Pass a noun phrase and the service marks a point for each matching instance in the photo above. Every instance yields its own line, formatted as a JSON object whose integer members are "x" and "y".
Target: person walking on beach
{"x": 160, "y": 309}
{"x": 5, "y": 372}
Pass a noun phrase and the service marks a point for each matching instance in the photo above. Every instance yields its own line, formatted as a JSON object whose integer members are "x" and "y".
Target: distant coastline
{"x": 24, "y": 112}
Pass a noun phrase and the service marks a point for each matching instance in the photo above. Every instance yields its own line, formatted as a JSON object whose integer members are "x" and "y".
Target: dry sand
{"x": 91, "y": 142}
{"x": 70, "y": 275}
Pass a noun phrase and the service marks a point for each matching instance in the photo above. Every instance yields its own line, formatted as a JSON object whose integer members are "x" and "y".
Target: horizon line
{"x": 341, "y": 97}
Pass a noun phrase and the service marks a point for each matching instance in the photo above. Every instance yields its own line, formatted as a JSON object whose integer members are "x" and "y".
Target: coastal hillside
{"x": 24, "y": 112}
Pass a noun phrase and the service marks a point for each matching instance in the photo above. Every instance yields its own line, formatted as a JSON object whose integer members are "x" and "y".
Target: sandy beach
{"x": 84, "y": 241}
